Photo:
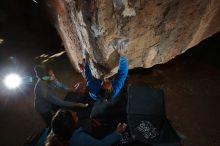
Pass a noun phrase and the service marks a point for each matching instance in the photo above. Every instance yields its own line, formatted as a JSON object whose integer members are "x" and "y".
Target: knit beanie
{"x": 40, "y": 71}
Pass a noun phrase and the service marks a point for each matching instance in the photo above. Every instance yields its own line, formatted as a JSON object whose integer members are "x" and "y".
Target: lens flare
{"x": 12, "y": 81}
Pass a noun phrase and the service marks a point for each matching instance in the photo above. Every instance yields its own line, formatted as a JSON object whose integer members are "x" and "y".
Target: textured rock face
{"x": 152, "y": 31}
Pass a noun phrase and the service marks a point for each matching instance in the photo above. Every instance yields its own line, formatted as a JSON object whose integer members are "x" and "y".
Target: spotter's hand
{"x": 121, "y": 127}
{"x": 83, "y": 105}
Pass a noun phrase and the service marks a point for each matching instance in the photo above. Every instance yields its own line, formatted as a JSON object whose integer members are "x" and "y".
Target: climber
{"x": 105, "y": 92}
{"x": 45, "y": 98}
{"x": 105, "y": 89}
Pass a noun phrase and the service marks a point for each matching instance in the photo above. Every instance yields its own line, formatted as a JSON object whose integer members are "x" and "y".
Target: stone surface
{"x": 153, "y": 31}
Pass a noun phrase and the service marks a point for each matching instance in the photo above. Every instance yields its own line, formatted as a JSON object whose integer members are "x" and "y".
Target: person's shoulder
{"x": 78, "y": 130}
{"x": 77, "y": 134}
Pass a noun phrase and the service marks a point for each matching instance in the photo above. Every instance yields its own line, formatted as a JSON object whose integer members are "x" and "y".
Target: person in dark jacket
{"x": 65, "y": 127}
{"x": 44, "y": 95}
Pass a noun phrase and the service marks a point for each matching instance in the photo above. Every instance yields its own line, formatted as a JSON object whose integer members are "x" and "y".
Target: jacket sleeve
{"x": 56, "y": 84}
{"x": 120, "y": 76}
{"x": 85, "y": 139}
{"x": 57, "y": 100}
{"x": 93, "y": 85}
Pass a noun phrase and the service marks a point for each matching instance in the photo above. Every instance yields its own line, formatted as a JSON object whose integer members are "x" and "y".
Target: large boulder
{"x": 152, "y": 31}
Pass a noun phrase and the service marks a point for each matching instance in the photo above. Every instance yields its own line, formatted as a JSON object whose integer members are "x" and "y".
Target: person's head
{"x": 106, "y": 90}
{"x": 44, "y": 73}
{"x": 64, "y": 122}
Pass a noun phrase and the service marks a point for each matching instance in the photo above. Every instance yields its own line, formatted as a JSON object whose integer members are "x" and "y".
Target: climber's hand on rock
{"x": 121, "y": 46}
{"x": 81, "y": 67}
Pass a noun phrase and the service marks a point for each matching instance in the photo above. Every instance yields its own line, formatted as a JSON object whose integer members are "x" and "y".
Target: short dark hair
{"x": 105, "y": 94}
{"x": 63, "y": 124}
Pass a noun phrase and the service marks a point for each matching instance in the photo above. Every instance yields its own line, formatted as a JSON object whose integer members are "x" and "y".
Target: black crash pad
{"x": 147, "y": 117}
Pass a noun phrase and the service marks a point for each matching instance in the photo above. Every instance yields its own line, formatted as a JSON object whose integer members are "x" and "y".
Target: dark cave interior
{"x": 27, "y": 32}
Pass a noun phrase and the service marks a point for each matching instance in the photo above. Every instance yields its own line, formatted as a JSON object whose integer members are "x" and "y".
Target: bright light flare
{"x": 1, "y": 40}
{"x": 12, "y": 81}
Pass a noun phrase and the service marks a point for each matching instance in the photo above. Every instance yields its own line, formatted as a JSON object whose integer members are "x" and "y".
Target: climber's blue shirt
{"x": 94, "y": 85}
